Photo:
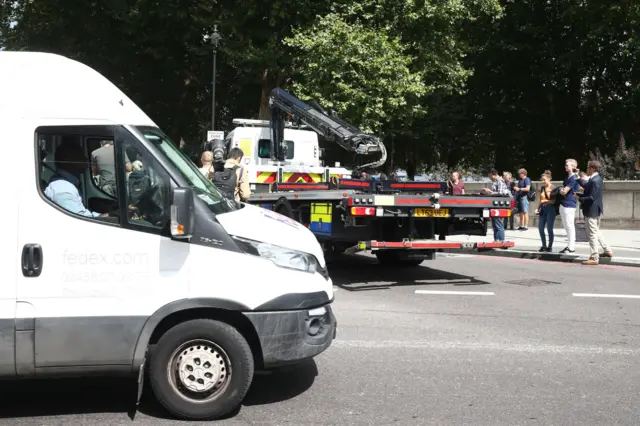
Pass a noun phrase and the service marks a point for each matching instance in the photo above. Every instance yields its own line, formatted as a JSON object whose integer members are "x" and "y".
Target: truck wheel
{"x": 201, "y": 369}
{"x": 391, "y": 259}
{"x": 283, "y": 207}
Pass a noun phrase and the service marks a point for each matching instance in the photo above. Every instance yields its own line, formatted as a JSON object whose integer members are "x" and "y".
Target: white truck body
{"x": 303, "y": 162}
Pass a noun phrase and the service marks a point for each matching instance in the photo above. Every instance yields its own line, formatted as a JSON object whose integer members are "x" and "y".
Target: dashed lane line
{"x": 612, "y": 296}
{"x": 526, "y": 348}
{"x": 458, "y": 293}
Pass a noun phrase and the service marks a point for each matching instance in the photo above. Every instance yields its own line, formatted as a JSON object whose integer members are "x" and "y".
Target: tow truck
{"x": 396, "y": 220}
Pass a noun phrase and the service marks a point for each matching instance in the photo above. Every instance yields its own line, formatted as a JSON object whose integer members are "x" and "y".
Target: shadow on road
{"x": 53, "y": 397}
{"x": 361, "y": 273}
{"x": 79, "y": 396}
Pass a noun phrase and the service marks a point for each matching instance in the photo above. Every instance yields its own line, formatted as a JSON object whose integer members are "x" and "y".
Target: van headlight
{"x": 281, "y": 256}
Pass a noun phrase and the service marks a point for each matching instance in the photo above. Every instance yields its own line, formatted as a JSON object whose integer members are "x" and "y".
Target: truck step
{"x": 374, "y": 245}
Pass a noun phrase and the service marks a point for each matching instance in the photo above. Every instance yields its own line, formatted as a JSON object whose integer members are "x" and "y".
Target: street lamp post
{"x": 215, "y": 40}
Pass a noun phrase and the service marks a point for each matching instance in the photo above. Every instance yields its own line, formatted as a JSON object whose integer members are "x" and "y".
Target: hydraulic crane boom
{"x": 328, "y": 125}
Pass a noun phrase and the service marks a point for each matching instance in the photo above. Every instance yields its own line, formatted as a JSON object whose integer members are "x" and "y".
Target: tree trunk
{"x": 270, "y": 80}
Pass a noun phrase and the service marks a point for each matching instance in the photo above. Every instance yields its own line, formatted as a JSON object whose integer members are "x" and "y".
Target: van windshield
{"x": 204, "y": 189}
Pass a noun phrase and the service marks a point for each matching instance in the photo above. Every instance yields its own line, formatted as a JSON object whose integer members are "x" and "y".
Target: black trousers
{"x": 508, "y": 221}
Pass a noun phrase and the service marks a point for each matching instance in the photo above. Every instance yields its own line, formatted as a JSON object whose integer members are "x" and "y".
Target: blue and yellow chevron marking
{"x": 321, "y": 214}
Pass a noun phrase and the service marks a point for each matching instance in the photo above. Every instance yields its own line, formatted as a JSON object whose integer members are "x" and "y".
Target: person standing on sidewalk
{"x": 522, "y": 200}
{"x": 592, "y": 208}
{"x": 508, "y": 180}
{"x": 546, "y": 211}
{"x": 497, "y": 188}
{"x": 569, "y": 204}
{"x": 454, "y": 185}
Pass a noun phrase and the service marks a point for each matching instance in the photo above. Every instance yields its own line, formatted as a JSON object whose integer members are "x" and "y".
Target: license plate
{"x": 431, "y": 213}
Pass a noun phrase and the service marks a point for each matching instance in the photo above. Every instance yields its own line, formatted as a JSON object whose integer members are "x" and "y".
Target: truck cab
{"x": 303, "y": 161}
{"x": 121, "y": 258}
{"x": 253, "y": 138}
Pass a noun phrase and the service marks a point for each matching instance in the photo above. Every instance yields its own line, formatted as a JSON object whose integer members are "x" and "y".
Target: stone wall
{"x": 621, "y": 203}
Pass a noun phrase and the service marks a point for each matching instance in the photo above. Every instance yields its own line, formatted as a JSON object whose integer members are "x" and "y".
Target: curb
{"x": 557, "y": 257}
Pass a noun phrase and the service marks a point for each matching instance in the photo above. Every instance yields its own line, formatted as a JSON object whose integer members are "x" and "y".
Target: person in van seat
{"x": 63, "y": 187}
{"x": 103, "y": 165}
{"x": 233, "y": 180}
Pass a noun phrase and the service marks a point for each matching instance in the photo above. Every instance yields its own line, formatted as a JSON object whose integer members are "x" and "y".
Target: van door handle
{"x": 31, "y": 260}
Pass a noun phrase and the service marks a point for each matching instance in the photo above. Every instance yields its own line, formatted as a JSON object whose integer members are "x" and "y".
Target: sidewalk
{"x": 625, "y": 245}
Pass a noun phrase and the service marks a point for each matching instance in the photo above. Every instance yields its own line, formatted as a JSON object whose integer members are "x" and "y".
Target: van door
{"x": 9, "y": 264}
{"x": 107, "y": 262}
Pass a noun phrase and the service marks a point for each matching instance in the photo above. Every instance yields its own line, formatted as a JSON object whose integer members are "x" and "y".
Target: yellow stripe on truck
{"x": 246, "y": 145}
{"x": 266, "y": 177}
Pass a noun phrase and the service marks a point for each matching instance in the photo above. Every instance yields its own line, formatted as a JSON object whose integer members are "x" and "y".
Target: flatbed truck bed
{"x": 402, "y": 223}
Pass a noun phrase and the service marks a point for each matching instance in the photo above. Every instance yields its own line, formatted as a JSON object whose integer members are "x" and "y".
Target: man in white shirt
{"x": 63, "y": 187}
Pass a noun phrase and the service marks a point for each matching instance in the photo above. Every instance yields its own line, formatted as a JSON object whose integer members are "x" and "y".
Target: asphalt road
{"x": 514, "y": 351}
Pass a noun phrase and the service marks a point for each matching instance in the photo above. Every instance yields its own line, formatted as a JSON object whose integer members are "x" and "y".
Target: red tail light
{"x": 363, "y": 211}
{"x": 499, "y": 213}
{"x": 513, "y": 203}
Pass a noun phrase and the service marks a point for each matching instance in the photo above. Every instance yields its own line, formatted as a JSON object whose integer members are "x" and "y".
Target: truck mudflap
{"x": 374, "y": 245}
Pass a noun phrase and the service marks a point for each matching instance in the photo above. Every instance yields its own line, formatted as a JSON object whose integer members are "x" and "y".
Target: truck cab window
{"x": 264, "y": 149}
{"x": 66, "y": 173}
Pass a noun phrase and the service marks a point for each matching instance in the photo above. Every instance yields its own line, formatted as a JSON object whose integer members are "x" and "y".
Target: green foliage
{"x": 445, "y": 83}
{"x": 623, "y": 165}
{"x": 361, "y": 72}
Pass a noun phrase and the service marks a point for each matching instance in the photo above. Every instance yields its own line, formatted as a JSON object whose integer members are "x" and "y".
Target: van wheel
{"x": 201, "y": 369}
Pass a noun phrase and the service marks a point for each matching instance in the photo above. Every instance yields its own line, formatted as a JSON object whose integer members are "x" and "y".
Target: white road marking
{"x": 462, "y": 293}
{"x": 454, "y": 255}
{"x": 444, "y": 281}
{"x": 336, "y": 288}
{"x": 481, "y": 346}
{"x": 622, "y": 296}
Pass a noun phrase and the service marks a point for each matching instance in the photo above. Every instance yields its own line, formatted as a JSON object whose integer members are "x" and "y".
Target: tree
{"x": 382, "y": 64}
{"x": 623, "y": 165}
{"x": 361, "y": 72}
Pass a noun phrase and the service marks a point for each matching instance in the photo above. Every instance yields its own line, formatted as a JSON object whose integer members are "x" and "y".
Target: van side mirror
{"x": 182, "y": 213}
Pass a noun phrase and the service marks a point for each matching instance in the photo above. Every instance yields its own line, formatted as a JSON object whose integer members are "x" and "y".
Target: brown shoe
{"x": 607, "y": 254}
{"x": 590, "y": 262}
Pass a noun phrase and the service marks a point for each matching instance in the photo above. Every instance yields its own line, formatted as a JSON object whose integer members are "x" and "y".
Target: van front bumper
{"x": 288, "y": 337}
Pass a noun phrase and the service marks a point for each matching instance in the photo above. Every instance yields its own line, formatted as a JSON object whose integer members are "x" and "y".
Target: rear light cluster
{"x": 500, "y": 213}
{"x": 363, "y": 211}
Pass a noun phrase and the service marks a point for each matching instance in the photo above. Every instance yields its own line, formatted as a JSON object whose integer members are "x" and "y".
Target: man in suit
{"x": 592, "y": 209}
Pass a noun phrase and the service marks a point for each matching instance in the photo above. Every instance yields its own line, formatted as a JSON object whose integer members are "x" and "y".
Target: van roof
{"x": 46, "y": 85}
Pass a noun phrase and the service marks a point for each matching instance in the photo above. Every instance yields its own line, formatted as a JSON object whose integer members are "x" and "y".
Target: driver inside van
{"x": 63, "y": 188}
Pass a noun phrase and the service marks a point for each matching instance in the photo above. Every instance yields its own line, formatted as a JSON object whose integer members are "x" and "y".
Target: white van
{"x": 147, "y": 270}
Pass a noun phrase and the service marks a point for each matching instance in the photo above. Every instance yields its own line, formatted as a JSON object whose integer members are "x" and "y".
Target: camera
{"x": 217, "y": 148}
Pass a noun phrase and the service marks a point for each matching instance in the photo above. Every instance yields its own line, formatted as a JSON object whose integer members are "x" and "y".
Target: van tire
{"x": 198, "y": 343}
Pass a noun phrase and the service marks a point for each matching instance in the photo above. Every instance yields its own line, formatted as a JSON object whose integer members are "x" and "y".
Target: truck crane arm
{"x": 326, "y": 124}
